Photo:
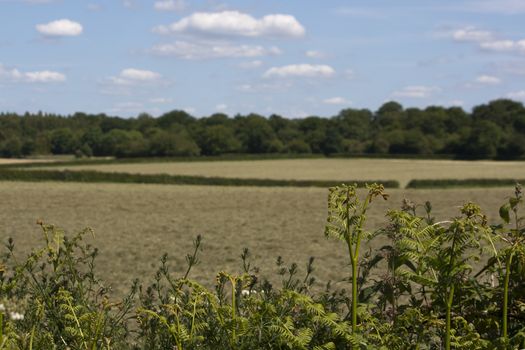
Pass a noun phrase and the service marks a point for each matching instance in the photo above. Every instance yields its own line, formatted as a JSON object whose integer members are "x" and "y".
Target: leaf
{"x": 504, "y": 213}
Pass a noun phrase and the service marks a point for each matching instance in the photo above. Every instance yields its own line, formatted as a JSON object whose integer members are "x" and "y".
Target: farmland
{"x": 134, "y": 224}
{"x": 402, "y": 170}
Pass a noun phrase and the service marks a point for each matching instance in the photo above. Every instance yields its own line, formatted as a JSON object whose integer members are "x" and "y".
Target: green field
{"x": 402, "y": 170}
{"x": 135, "y": 224}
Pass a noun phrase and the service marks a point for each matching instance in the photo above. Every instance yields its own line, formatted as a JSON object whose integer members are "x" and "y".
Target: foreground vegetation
{"x": 492, "y": 130}
{"x": 448, "y": 284}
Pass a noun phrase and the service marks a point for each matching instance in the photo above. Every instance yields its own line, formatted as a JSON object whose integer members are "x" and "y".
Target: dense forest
{"x": 495, "y": 130}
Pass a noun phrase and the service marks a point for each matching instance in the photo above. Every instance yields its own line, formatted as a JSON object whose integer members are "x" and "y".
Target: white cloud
{"x": 487, "y": 40}
{"x": 300, "y": 70}
{"x": 61, "y": 27}
{"x": 457, "y": 103}
{"x": 416, "y": 91}
{"x": 221, "y": 107}
{"x": 132, "y": 76}
{"x": 471, "y": 34}
{"x": 517, "y": 95}
{"x": 138, "y": 74}
{"x": 498, "y": 45}
{"x": 314, "y": 54}
{"x": 169, "y": 5}
{"x": 488, "y": 80}
{"x": 336, "y": 101}
{"x": 235, "y": 23}
{"x": 160, "y": 100}
{"x": 189, "y": 110}
{"x": 130, "y": 107}
{"x": 251, "y": 64}
{"x": 203, "y": 50}
{"x": 45, "y": 76}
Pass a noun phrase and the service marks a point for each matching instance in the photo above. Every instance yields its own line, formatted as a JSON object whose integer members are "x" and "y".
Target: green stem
{"x": 449, "y": 308}
{"x": 354, "y": 296}
{"x": 506, "y": 296}
{"x": 234, "y": 335}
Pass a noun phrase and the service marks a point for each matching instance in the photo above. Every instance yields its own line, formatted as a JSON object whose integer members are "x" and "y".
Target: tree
{"x": 218, "y": 139}
{"x": 256, "y": 134}
{"x": 63, "y": 141}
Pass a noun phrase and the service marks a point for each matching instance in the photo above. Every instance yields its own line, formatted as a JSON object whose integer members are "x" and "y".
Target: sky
{"x": 294, "y": 58}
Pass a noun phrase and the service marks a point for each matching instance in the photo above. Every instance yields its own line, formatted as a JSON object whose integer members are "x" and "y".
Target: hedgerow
{"x": 458, "y": 283}
{"x": 455, "y": 183}
{"x": 114, "y": 177}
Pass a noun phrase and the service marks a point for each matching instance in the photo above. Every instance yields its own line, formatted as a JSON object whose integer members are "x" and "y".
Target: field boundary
{"x": 461, "y": 183}
{"x": 224, "y": 157}
{"x": 115, "y": 177}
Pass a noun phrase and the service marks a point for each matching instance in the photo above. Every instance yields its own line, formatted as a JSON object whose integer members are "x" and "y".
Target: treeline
{"x": 493, "y": 130}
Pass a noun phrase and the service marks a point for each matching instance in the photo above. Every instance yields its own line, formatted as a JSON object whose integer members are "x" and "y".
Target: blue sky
{"x": 294, "y": 58}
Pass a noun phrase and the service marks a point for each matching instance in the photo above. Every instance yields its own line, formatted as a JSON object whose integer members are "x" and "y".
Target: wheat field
{"x": 402, "y": 170}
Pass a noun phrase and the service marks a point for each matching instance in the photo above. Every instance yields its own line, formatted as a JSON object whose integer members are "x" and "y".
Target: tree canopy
{"x": 494, "y": 130}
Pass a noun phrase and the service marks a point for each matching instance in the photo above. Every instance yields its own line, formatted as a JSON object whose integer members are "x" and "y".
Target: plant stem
{"x": 506, "y": 296}
{"x": 449, "y": 308}
{"x": 354, "y": 296}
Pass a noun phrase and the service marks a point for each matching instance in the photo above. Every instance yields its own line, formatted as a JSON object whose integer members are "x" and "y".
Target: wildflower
{"x": 2, "y": 307}
{"x": 15, "y": 316}
{"x": 247, "y": 292}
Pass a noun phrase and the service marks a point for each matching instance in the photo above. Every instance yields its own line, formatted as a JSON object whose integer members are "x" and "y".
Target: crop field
{"x": 402, "y": 170}
{"x": 135, "y": 224}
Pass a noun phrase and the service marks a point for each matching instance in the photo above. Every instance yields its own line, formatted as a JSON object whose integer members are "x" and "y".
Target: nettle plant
{"x": 455, "y": 284}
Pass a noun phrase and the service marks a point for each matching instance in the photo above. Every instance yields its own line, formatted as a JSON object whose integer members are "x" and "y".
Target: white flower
{"x": 2, "y": 307}
{"x": 245, "y": 292}
{"x": 15, "y": 316}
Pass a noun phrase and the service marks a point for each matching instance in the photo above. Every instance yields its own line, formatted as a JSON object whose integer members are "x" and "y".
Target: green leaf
{"x": 504, "y": 213}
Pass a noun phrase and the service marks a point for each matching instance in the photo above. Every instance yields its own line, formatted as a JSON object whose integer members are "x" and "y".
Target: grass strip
{"x": 110, "y": 177}
{"x": 458, "y": 183}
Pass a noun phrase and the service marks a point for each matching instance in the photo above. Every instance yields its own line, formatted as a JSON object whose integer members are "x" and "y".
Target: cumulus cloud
{"x": 471, "y": 34}
{"x": 300, "y": 70}
{"x": 189, "y": 110}
{"x": 488, "y": 80}
{"x": 45, "y": 76}
{"x": 132, "y": 76}
{"x": 61, "y": 27}
{"x": 457, "y": 103}
{"x": 498, "y": 45}
{"x": 139, "y": 74}
{"x": 234, "y": 23}
{"x": 169, "y": 5}
{"x": 161, "y": 100}
{"x": 416, "y": 91}
{"x": 204, "y": 50}
{"x": 336, "y": 101}
{"x": 517, "y": 95}
{"x": 487, "y": 41}
{"x": 221, "y": 107}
